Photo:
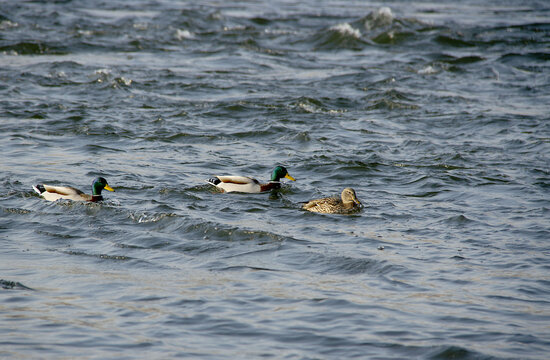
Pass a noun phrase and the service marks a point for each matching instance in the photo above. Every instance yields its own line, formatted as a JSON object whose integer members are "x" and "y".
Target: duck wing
{"x": 239, "y": 180}
{"x": 62, "y": 190}
{"x": 323, "y": 205}
{"x": 53, "y": 193}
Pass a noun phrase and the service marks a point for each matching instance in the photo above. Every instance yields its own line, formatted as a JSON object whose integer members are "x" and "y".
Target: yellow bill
{"x": 107, "y": 187}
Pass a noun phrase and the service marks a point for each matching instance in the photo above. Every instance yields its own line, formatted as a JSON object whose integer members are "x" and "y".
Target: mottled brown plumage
{"x": 346, "y": 204}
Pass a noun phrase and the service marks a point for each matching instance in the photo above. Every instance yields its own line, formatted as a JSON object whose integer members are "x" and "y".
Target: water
{"x": 436, "y": 113}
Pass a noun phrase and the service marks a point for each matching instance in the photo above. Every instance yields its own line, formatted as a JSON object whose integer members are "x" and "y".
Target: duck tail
{"x": 214, "y": 181}
{"x": 39, "y": 189}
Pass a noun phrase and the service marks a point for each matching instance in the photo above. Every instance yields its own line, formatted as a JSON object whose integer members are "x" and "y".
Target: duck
{"x": 247, "y": 184}
{"x": 53, "y": 193}
{"x": 331, "y": 205}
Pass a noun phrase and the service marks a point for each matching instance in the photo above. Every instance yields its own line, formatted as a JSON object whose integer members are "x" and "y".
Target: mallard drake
{"x": 246, "y": 184}
{"x": 348, "y": 203}
{"x": 53, "y": 193}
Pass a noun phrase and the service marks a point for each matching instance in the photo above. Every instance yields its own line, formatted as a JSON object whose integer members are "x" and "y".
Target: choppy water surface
{"x": 436, "y": 113}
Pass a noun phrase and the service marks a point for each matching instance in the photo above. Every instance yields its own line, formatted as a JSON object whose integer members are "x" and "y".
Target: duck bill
{"x": 290, "y": 177}
{"x": 107, "y": 187}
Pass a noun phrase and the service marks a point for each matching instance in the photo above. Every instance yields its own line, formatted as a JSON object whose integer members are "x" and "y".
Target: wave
{"x": 313, "y": 106}
{"x": 12, "y": 285}
{"x": 97, "y": 255}
{"x": 346, "y": 29}
{"x": 32, "y": 48}
{"x": 340, "y": 37}
{"x": 349, "y": 36}
{"x": 343, "y": 265}
{"x": 381, "y": 18}
{"x": 379, "y": 27}
{"x": 143, "y": 217}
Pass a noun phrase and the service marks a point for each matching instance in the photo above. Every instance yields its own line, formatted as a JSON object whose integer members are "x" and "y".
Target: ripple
{"x": 343, "y": 265}
{"x": 453, "y": 41}
{"x": 97, "y": 256}
{"x": 141, "y": 218}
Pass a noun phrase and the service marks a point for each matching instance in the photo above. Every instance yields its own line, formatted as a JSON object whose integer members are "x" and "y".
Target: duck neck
{"x": 96, "y": 198}
{"x": 348, "y": 204}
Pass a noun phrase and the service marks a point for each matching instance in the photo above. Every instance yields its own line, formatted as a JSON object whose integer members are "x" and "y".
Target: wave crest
{"x": 377, "y": 19}
{"x": 347, "y": 30}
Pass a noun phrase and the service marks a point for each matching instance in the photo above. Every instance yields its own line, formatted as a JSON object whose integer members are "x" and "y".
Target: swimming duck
{"x": 53, "y": 193}
{"x": 250, "y": 185}
{"x": 348, "y": 203}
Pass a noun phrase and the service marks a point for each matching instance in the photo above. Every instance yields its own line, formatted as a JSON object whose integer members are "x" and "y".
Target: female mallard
{"x": 348, "y": 203}
{"x": 53, "y": 193}
{"x": 250, "y": 185}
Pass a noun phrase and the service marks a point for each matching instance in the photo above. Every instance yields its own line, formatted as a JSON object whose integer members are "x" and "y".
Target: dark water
{"x": 437, "y": 113}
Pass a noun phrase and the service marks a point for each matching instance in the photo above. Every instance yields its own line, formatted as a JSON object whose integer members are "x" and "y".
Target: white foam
{"x": 379, "y": 18}
{"x": 59, "y": 74}
{"x": 346, "y": 29}
{"x": 103, "y": 71}
{"x": 141, "y": 26}
{"x": 307, "y": 107}
{"x": 125, "y": 81}
{"x": 427, "y": 70}
{"x": 183, "y": 34}
{"x": 6, "y": 24}
{"x": 85, "y": 32}
{"x": 385, "y": 13}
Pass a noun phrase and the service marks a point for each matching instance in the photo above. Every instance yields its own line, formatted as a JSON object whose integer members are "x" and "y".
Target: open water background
{"x": 437, "y": 113}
